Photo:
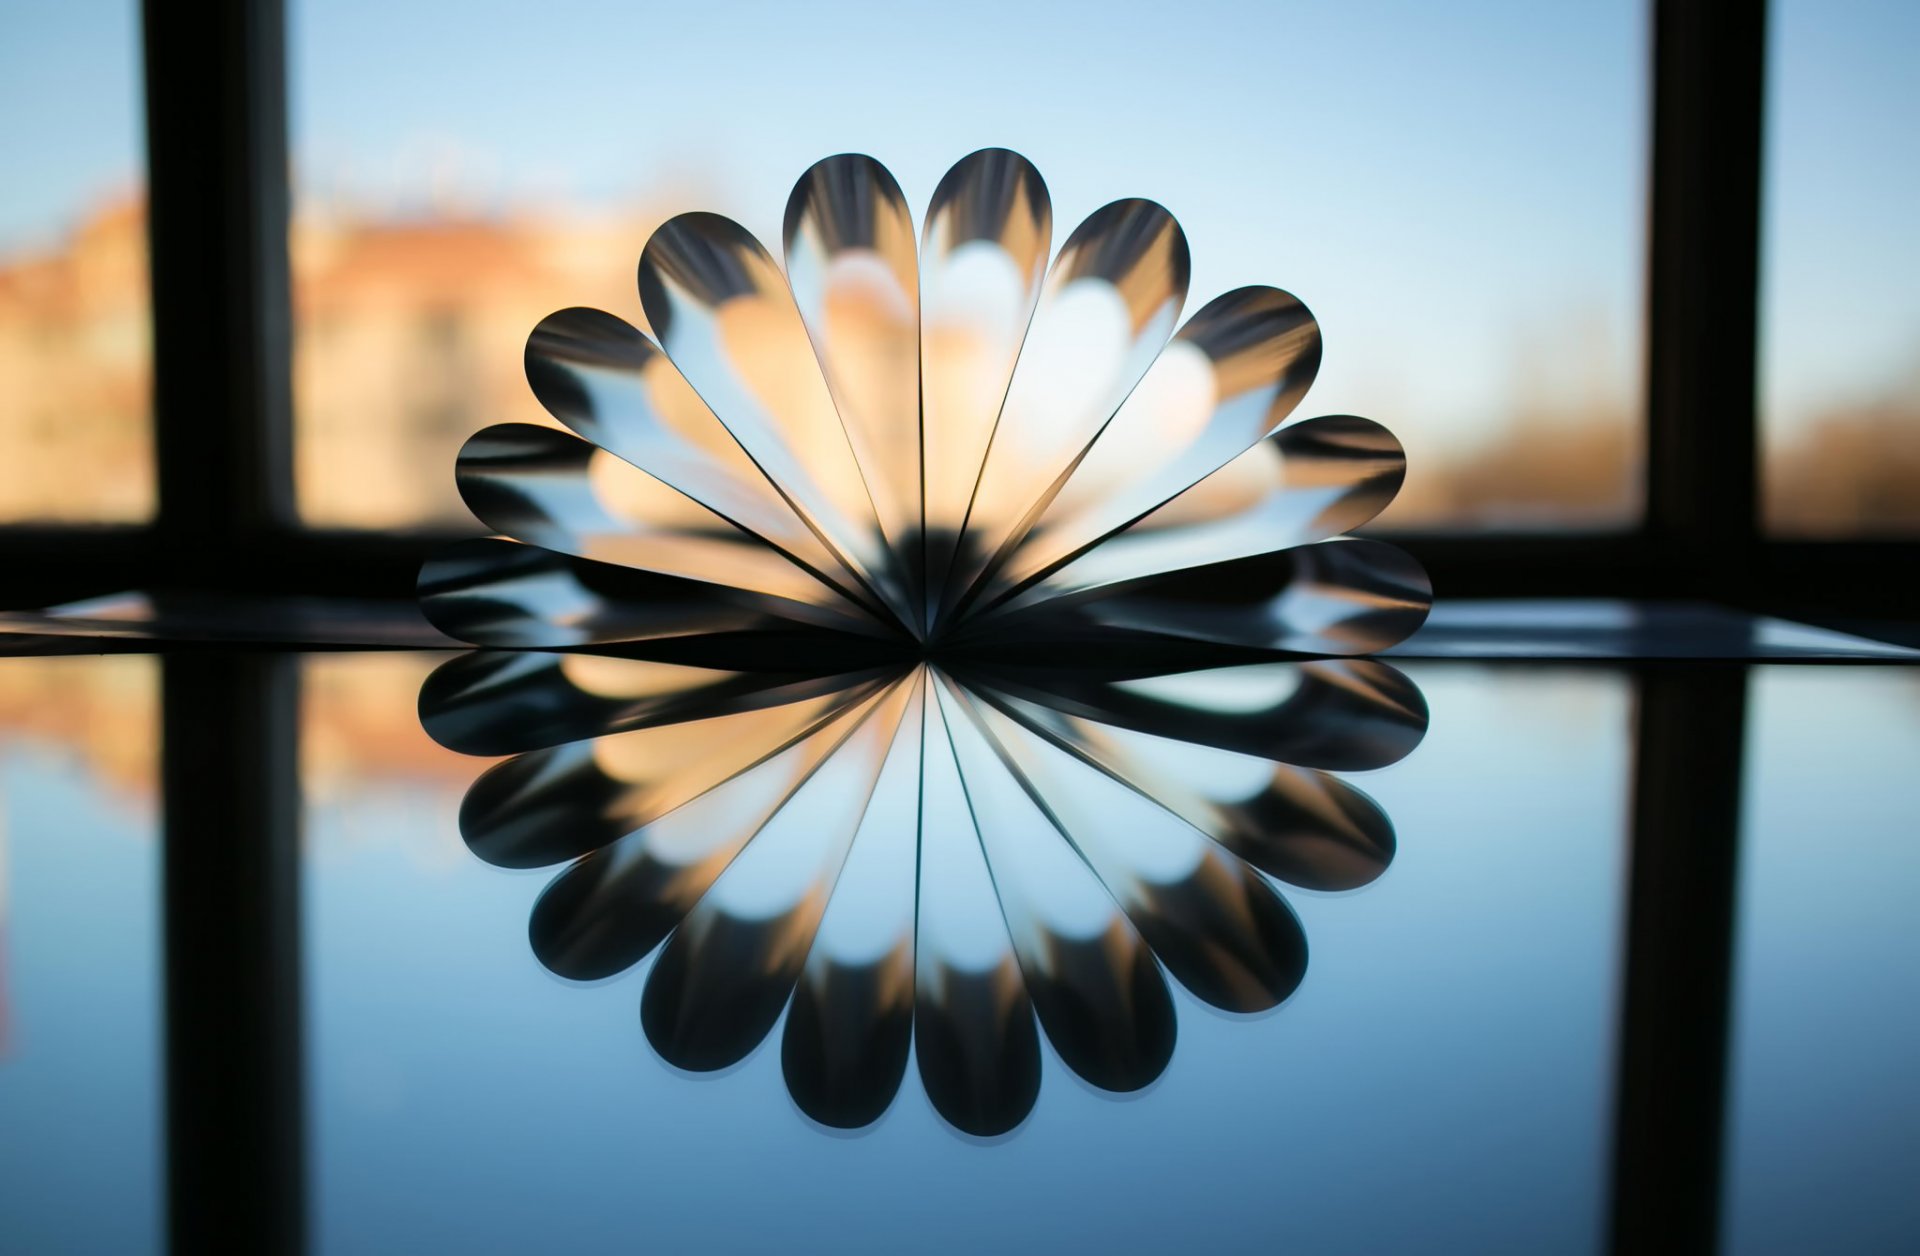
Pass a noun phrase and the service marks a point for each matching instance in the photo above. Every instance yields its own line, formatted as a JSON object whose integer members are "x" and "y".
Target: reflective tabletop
{"x": 1559, "y": 940}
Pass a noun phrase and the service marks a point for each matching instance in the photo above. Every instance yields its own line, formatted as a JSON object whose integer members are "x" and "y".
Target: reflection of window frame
{"x": 217, "y": 160}
{"x": 238, "y": 1176}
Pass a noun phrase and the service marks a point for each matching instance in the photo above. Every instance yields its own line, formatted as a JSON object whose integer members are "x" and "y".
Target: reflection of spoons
{"x": 929, "y": 854}
{"x": 935, "y": 598}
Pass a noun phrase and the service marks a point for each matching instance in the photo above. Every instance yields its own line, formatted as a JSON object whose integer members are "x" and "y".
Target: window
{"x": 80, "y": 964}
{"x": 1840, "y": 317}
{"x": 75, "y": 410}
{"x": 1458, "y": 197}
{"x": 1462, "y": 197}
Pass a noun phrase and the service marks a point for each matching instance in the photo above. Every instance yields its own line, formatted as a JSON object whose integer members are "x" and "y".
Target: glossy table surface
{"x": 1456, "y": 1070}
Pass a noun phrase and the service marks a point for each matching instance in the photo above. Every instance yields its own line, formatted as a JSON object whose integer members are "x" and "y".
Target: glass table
{"x": 1641, "y": 959}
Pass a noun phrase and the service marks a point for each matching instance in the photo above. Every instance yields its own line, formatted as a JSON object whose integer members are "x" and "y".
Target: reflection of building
{"x": 102, "y": 710}
{"x": 358, "y": 718}
{"x": 359, "y": 723}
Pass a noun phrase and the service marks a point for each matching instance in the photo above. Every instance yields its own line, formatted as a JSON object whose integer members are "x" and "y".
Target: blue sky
{"x": 1841, "y": 284}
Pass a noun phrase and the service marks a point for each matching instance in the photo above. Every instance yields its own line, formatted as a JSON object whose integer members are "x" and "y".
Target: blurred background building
{"x": 75, "y": 441}
{"x": 411, "y": 330}
{"x": 410, "y": 334}
{"x": 411, "y": 326}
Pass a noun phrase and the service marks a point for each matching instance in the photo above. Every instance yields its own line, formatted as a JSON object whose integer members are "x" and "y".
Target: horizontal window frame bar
{"x": 1860, "y": 577}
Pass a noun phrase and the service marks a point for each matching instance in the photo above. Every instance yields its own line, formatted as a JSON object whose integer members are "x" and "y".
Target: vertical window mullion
{"x": 1709, "y": 65}
{"x": 1689, "y": 747}
{"x": 218, "y": 206}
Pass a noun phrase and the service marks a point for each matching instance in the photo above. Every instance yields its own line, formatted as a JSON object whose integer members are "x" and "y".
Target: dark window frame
{"x": 215, "y": 91}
